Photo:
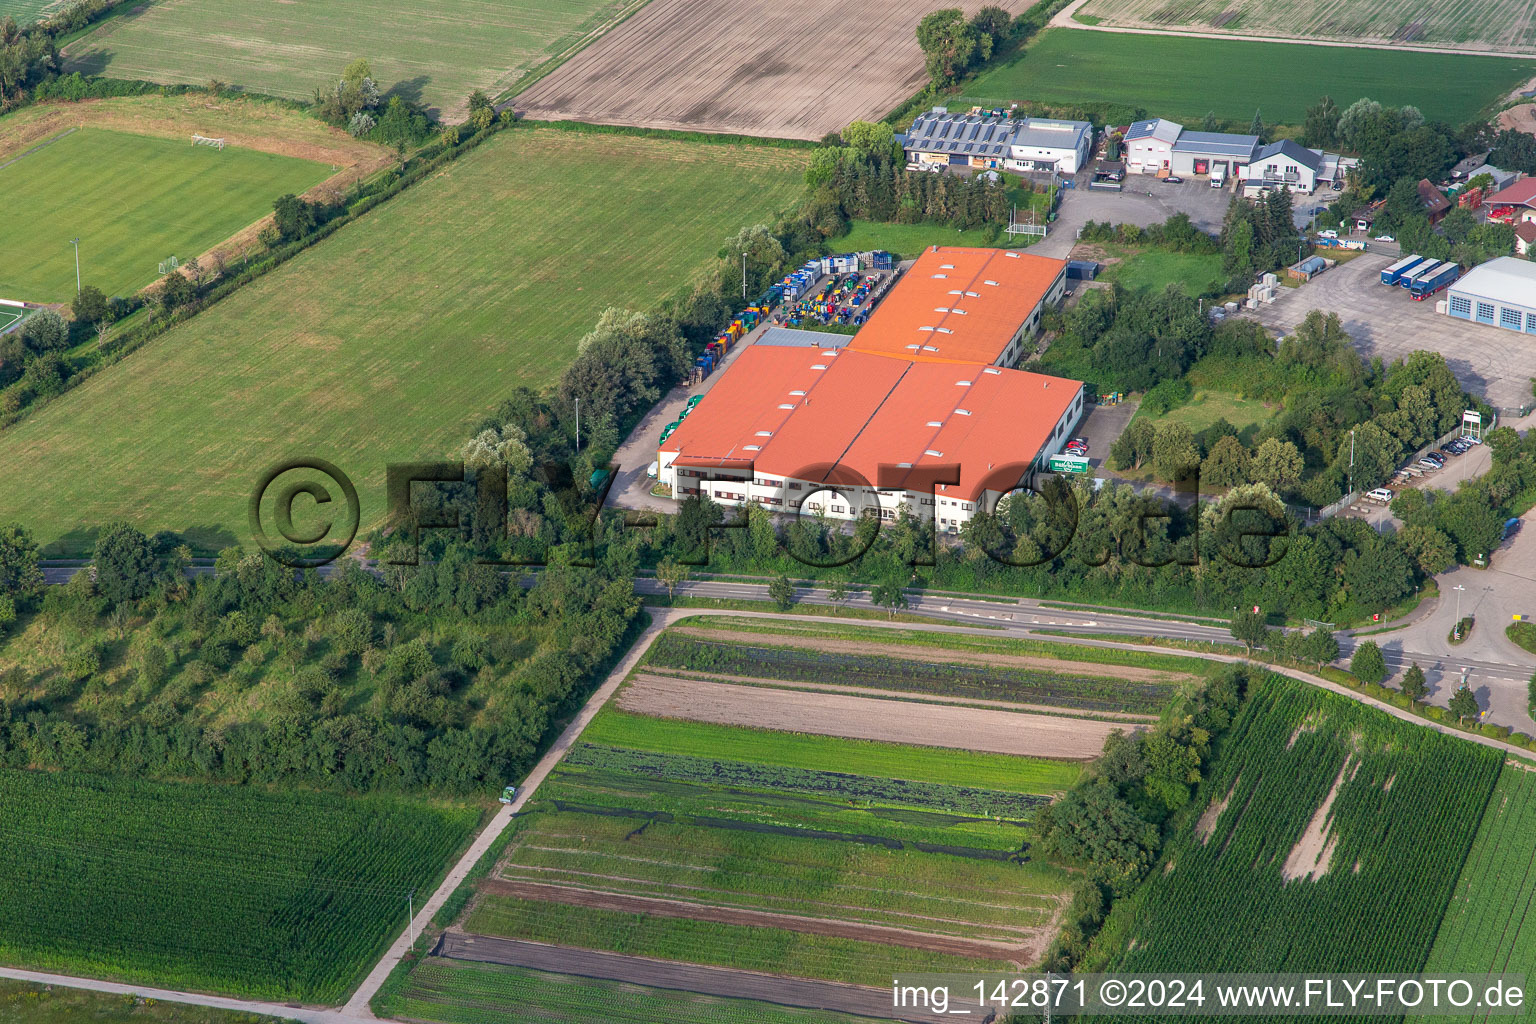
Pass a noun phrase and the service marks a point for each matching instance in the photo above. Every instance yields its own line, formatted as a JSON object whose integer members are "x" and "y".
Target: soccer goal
{"x": 204, "y": 140}
{"x": 166, "y": 266}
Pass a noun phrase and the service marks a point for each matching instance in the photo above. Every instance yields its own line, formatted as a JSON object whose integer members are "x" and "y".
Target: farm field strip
{"x": 750, "y": 69}
{"x": 443, "y": 991}
{"x": 783, "y": 873}
{"x": 1077, "y": 66}
{"x": 870, "y": 667}
{"x": 834, "y": 714}
{"x": 769, "y": 950}
{"x": 390, "y": 339}
{"x": 1022, "y": 651}
{"x": 1490, "y": 923}
{"x": 1331, "y": 842}
{"x": 436, "y": 53}
{"x": 1491, "y": 24}
{"x": 27, "y": 11}
{"x": 886, "y": 760}
{"x": 178, "y": 199}
{"x": 275, "y": 895}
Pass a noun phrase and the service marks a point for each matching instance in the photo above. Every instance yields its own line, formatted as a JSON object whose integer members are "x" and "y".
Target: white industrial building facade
{"x": 1500, "y": 293}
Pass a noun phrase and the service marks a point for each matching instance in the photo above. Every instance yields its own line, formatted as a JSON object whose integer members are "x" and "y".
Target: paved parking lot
{"x": 1385, "y": 322}
{"x": 1101, "y": 427}
{"x": 1144, "y": 200}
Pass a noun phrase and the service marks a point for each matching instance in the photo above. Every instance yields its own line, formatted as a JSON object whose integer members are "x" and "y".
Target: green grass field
{"x": 132, "y": 201}
{"x": 1184, "y": 77}
{"x": 906, "y": 240}
{"x": 27, "y": 11}
{"x": 828, "y": 753}
{"x": 225, "y": 888}
{"x": 1209, "y": 406}
{"x": 392, "y": 338}
{"x": 434, "y": 52}
{"x": 1493, "y": 23}
{"x": 1490, "y": 925}
{"x": 1152, "y": 270}
{"x": 768, "y": 950}
{"x": 459, "y": 992}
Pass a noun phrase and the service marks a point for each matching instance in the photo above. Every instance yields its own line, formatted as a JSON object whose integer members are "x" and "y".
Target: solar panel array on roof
{"x": 963, "y": 135}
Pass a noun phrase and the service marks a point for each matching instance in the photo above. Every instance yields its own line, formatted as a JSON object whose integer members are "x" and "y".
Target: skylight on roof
{"x": 956, "y": 291}
{"x": 992, "y": 283}
{"x": 753, "y": 447}
{"x": 940, "y": 277}
{"x": 962, "y": 383}
{"x": 935, "y": 423}
{"x": 930, "y": 348}
{"x": 974, "y": 295}
{"x": 930, "y": 451}
{"x": 1011, "y": 255}
{"x": 941, "y": 309}
{"x": 787, "y": 405}
{"x": 793, "y": 393}
{"x": 925, "y": 328}
{"x": 946, "y": 266}
{"x": 765, "y": 433}
{"x": 818, "y": 366}
{"x": 962, "y": 412}
{"x": 992, "y": 370}
{"x": 944, "y": 330}
{"x": 914, "y": 347}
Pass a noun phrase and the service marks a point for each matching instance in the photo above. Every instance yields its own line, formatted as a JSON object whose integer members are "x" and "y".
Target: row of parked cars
{"x": 1430, "y": 462}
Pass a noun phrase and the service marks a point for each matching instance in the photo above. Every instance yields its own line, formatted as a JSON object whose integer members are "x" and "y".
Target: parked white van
{"x": 1382, "y": 495}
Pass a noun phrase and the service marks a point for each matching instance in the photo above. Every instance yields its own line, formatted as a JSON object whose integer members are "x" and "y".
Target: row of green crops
{"x": 1406, "y": 805}
{"x": 1490, "y": 925}
{"x": 991, "y": 682}
{"x": 237, "y": 889}
{"x": 811, "y": 877}
{"x": 610, "y": 792}
{"x": 904, "y": 792}
{"x": 460, "y": 992}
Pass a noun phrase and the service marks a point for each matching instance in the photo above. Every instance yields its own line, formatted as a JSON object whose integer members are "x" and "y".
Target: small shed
{"x": 1082, "y": 270}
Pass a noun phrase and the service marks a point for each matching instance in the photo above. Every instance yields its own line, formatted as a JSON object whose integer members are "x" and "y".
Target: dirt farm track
{"x": 793, "y": 69}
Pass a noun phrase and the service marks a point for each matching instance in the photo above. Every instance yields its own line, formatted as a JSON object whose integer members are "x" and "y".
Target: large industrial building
{"x": 940, "y": 139}
{"x": 1501, "y": 292}
{"x": 918, "y": 409}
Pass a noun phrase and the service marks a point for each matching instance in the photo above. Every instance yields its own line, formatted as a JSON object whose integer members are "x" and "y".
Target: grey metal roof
{"x": 1217, "y": 144}
{"x": 1156, "y": 128}
{"x": 789, "y": 337}
{"x": 1043, "y": 133}
{"x": 1507, "y": 280}
{"x": 960, "y": 134}
{"x": 1291, "y": 151}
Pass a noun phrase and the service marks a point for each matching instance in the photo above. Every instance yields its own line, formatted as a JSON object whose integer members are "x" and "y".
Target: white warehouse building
{"x": 1501, "y": 293}
{"x": 939, "y": 139}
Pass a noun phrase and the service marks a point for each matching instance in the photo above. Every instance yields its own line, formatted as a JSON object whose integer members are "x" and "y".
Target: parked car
{"x": 1511, "y": 527}
{"x": 509, "y": 794}
{"x": 1385, "y": 238}
{"x": 1338, "y": 186}
{"x": 1328, "y": 233}
{"x": 1080, "y": 440}
{"x": 1427, "y": 464}
{"x": 1173, "y": 179}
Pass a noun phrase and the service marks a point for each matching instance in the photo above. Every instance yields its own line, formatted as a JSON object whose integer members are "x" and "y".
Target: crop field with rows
{"x": 1490, "y": 925}
{"x": 629, "y": 786}
{"x": 810, "y": 876}
{"x": 1235, "y": 77}
{"x": 446, "y": 991}
{"x": 767, "y": 950}
{"x": 825, "y": 753}
{"x": 1331, "y": 839}
{"x": 276, "y": 895}
{"x": 989, "y": 682}
{"x": 1492, "y": 24}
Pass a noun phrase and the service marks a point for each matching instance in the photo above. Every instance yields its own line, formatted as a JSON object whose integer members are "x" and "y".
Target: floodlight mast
{"x": 76, "y": 243}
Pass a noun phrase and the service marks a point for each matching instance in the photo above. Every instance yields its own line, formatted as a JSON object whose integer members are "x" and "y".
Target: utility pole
{"x": 1351, "y": 460}
{"x": 578, "y": 424}
{"x": 410, "y": 916}
{"x": 1458, "y": 588}
{"x": 76, "y": 243}
{"x": 743, "y": 276}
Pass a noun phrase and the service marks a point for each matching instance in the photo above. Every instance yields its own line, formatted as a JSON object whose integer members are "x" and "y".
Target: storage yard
{"x": 1385, "y": 321}
{"x": 796, "y": 69}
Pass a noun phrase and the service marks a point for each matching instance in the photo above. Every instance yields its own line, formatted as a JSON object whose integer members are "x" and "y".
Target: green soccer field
{"x": 132, "y": 201}
{"x": 392, "y": 338}
{"x": 433, "y": 51}
{"x": 1183, "y": 78}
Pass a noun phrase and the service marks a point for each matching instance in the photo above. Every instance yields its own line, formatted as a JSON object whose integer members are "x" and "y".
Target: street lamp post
{"x": 1458, "y": 588}
{"x": 76, "y": 243}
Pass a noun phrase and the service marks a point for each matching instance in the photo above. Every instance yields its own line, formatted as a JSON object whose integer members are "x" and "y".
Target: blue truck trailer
{"x": 1395, "y": 272}
{"x": 1426, "y": 285}
{"x": 1406, "y": 280}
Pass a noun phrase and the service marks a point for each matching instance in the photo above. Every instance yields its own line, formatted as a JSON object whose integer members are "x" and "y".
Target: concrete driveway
{"x": 1386, "y": 322}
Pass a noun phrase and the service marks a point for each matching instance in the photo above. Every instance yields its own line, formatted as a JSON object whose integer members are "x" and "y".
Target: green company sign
{"x": 1067, "y": 464}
